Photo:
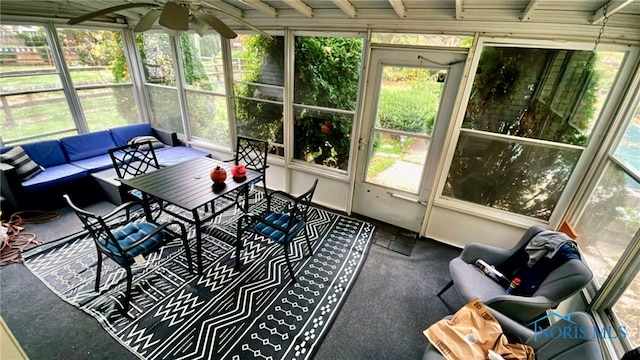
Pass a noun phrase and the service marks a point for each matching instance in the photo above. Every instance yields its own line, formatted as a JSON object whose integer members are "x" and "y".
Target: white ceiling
{"x": 573, "y": 19}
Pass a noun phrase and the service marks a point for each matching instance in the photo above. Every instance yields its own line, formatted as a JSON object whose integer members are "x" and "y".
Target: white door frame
{"x": 393, "y": 206}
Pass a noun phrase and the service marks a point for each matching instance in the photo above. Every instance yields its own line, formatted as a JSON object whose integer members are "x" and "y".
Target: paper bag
{"x": 471, "y": 333}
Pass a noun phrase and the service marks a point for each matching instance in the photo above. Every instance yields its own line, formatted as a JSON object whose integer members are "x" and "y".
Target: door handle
{"x": 361, "y": 142}
{"x": 406, "y": 198}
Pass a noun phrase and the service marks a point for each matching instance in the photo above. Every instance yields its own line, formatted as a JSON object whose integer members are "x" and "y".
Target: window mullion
{"x": 288, "y": 97}
{"x": 229, "y": 90}
{"x": 65, "y": 78}
{"x": 134, "y": 64}
{"x": 180, "y": 85}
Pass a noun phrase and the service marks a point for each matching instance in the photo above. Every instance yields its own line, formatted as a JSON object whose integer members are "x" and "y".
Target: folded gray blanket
{"x": 547, "y": 243}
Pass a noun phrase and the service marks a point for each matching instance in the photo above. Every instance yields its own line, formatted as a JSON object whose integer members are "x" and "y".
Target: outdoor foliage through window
{"x": 326, "y": 75}
{"x": 96, "y": 57}
{"x": 611, "y": 219}
{"x": 157, "y": 63}
{"x": 258, "y": 71}
{"x": 204, "y": 78}
{"x": 552, "y": 96}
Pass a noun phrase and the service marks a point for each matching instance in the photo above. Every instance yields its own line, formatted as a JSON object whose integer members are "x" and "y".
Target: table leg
{"x": 146, "y": 207}
{"x": 246, "y": 198}
{"x": 196, "y": 221}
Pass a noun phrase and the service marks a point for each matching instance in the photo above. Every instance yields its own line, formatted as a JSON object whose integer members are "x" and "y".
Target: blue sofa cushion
{"x": 46, "y": 153}
{"x": 173, "y": 155}
{"x": 95, "y": 163}
{"x": 53, "y": 176}
{"x": 122, "y": 134}
{"x": 84, "y": 146}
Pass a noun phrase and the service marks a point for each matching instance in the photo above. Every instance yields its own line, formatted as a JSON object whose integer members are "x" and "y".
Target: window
{"x": 627, "y": 312}
{"x": 157, "y": 61}
{"x": 529, "y": 118}
{"x": 326, "y": 80}
{"x": 609, "y": 229}
{"x": 609, "y": 221}
{"x": 96, "y": 62}
{"x": 33, "y": 101}
{"x": 204, "y": 83}
{"x": 258, "y": 74}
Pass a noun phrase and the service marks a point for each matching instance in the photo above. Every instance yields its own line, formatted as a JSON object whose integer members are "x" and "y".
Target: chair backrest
{"x": 556, "y": 278}
{"x": 303, "y": 202}
{"x": 564, "y": 281}
{"x": 579, "y": 340}
{"x": 252, "y": 153}
{"x": 132, "y": 160}
{"x": 98, "y": 228}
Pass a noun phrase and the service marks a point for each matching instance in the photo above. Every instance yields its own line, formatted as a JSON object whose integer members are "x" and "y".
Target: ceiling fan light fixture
{"x": 199, "y": 26}
{"x": 174, "y": 17}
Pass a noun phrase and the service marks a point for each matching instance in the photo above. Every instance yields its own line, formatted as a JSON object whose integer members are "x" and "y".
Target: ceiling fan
{"x": 175, "y": 17}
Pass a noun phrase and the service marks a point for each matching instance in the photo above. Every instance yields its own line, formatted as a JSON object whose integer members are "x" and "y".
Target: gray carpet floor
{"x": 392, "y": 301}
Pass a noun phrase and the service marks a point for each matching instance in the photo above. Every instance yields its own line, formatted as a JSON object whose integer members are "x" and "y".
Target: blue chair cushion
{"x": 278, "y": 219}
{"x": 128, "y": 235}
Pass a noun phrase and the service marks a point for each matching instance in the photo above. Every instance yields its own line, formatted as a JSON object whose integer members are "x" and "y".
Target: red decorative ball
{"x": 239, "y": 171}
{"x": 218, "y": 175}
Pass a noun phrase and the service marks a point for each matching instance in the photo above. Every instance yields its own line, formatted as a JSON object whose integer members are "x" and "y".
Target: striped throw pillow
{"x": 25, "y": 167}
{"x": 155, "y": 143}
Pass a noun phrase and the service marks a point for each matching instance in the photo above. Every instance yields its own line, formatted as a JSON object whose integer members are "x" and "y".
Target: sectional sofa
{"x": 70, "y": 164}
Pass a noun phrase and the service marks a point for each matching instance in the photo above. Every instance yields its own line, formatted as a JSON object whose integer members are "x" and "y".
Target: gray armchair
{"x": 583, "y": 346}
{"x": 560, "y": 283}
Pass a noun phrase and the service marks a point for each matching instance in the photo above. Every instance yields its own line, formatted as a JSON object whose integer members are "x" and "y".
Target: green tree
{"x": 527, "y": 93}
{"x": 327, "y": 70}
{"x": 261, "y": 120}
{"x": 194, "y": 71}
{"x": 326, "y": 74}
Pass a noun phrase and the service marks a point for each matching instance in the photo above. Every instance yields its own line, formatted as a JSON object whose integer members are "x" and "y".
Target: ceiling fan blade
{"x": 216, "y": 24}
{"x": 104, "y": 11}
{"x": 222, "y": 11}
{"x": 146, "y": 22}
{"x": 174, "y": 17}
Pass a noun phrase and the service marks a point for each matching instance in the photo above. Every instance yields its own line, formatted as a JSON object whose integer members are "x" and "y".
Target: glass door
{"x": 408, "y": 103}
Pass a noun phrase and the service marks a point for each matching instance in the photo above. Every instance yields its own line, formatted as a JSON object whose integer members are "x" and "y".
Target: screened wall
{"x": 541, "y": 133}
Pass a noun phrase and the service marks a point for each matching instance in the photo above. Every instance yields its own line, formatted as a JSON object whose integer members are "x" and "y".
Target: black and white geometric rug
{"x": 223, "y": 313}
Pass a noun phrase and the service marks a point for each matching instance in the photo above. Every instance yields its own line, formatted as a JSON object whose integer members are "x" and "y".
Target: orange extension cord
{"x": 17, "y": 241}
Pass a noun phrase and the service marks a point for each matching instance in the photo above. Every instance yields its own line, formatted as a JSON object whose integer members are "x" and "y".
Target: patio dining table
{"x": 188, "y": 185}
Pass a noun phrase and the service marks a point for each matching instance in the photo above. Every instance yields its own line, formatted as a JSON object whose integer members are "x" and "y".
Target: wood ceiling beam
{"x": 261, "y": 6}
{"x": 301, "y": 7}
{"x": 346, "y": 7}
{"x": 399, "y": 8}
{"x": 612, "y": 8}
{"x": 528, "y": 11}
{"x": 459, "y": 10}
{"x": 237, "y": 12}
